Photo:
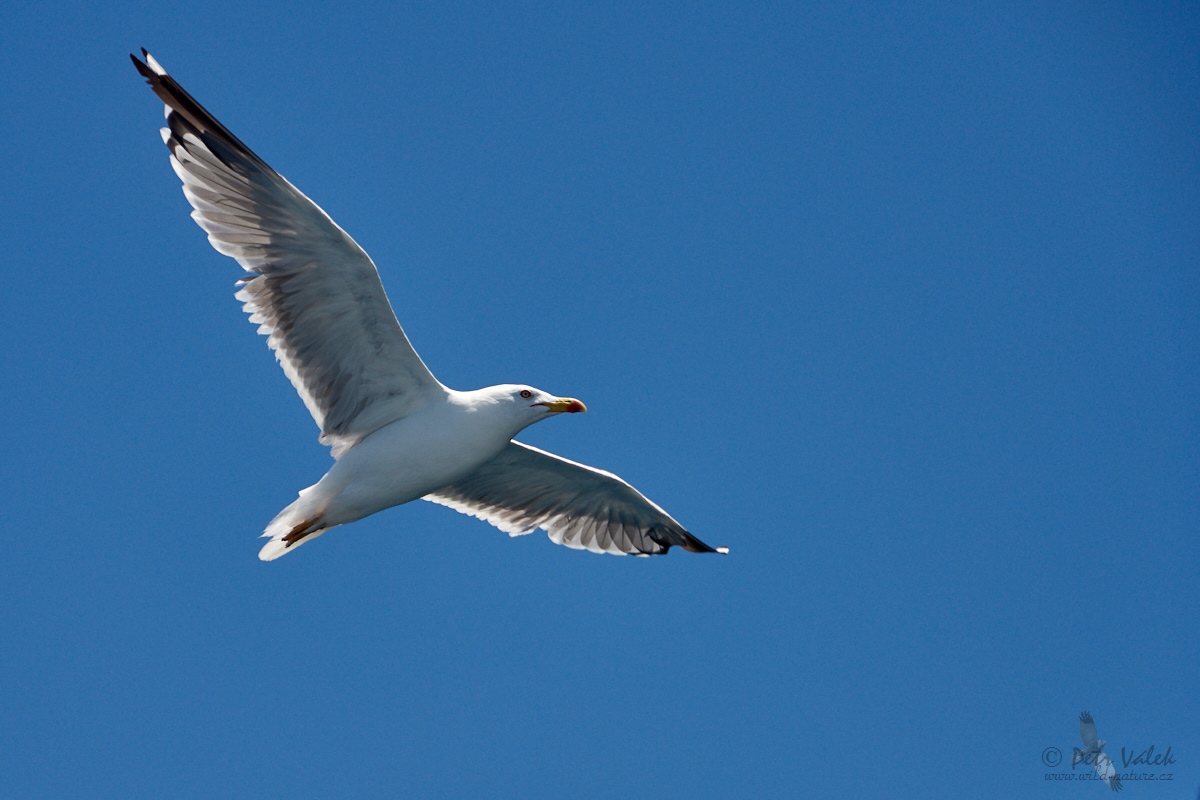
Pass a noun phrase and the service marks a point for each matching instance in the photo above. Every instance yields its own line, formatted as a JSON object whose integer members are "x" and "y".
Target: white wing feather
{"x": 313, "y": 291}
{"x": 1106, "y": 771}
{"x": 579, "y": 506}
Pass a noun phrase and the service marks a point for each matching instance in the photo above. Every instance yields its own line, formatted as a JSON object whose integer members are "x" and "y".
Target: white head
{"x": 520, "y": 405}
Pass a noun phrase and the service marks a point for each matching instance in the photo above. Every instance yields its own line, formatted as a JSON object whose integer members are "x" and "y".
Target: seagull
{"x": 396, "y": 433}
{"x": 1095, "y": 750}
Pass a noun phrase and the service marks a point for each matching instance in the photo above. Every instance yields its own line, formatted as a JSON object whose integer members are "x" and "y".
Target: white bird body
{"x": 397, "y": 433}
{"x": 412, "y": 457}
{"x": 405, "y": 460}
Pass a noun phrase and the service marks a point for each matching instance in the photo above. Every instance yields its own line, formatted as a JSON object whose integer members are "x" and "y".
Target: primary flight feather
{"x": 397, "y": 434}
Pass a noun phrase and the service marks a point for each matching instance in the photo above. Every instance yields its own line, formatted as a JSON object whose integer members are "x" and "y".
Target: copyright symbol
{"x": 1051, "y": 756}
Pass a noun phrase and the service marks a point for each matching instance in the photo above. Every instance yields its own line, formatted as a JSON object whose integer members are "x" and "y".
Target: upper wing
{"x": 313, "y": 290}
{"x": 584, "y": 508}
{"x": 1087, "y": 730}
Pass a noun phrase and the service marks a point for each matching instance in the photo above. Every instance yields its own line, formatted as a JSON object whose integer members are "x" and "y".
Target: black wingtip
{"x": 694, "y": 545}
{"x": 202, "y": 123}
{"x": 143, "y": 69}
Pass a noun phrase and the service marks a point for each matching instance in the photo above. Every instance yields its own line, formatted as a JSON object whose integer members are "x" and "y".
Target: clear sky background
{"x": 897, "y": 301}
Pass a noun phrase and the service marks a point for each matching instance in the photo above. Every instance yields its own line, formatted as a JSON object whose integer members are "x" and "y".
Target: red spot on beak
{"x": 564, "y": 405}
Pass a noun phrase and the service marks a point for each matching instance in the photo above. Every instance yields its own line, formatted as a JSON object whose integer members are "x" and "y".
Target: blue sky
{"x": 898, "y": 301}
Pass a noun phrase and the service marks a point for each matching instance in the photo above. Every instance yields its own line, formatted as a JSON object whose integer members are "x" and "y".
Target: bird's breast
{"x": 411, "y": 458}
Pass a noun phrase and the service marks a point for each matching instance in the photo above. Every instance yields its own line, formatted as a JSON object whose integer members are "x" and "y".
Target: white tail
{"x": 300, "y": 522}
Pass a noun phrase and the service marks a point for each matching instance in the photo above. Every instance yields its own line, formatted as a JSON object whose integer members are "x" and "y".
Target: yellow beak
{"x": 564, "y": 404}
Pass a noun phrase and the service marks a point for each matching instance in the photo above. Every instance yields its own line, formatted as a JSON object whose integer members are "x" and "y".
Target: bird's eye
{"x": 526, "y": 394}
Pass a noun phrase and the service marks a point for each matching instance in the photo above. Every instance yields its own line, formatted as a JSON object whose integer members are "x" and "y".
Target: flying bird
{"x": 1094, "y": 747}
{"x": 397, "y": 434}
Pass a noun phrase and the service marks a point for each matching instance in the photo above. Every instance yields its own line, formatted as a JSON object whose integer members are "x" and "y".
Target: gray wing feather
{"x": 1087, "y": 731}
{"x": 312, "y": 290}
{"x": 579, "y": 506}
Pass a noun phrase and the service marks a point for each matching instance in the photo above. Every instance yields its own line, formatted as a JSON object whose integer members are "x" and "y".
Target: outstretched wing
{"x": 578, "y": 506}
{"x": 1107, "y": 772}
{"x": 312, "y": 289}
{"x": 1087, "y": 731}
